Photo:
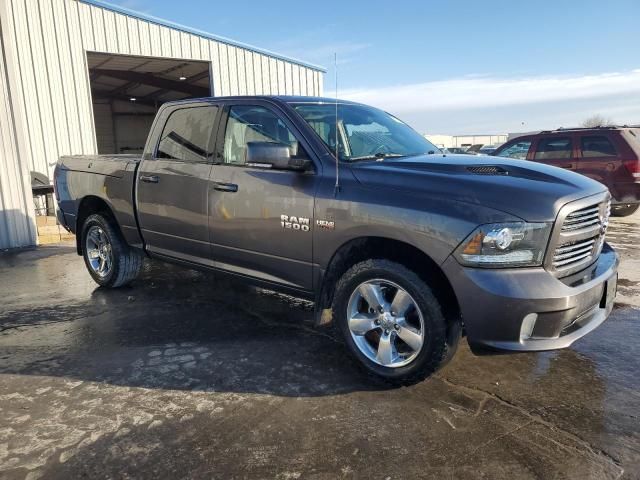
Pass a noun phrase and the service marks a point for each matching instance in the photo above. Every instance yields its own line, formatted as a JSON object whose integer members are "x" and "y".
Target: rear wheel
{"x": 390, "y": 321}
{"x": 624, "y": 210}
{"x": 110, "y": 261}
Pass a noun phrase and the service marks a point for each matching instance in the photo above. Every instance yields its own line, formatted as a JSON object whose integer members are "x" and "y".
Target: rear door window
{"x": 518, "y": 150}
{"x": 187, "y": 135}
{"x": 597, "y": 146}
{"x": 554, "y": 147}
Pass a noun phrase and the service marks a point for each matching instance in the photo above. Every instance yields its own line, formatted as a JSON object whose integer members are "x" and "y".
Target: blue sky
{"x": 450, "y": 66}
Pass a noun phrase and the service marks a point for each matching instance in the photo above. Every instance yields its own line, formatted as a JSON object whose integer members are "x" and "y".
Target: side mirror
{"x": 274, "y": 155}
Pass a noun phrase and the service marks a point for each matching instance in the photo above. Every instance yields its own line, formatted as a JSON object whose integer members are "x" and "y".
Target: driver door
{"x": 261, "y": 219}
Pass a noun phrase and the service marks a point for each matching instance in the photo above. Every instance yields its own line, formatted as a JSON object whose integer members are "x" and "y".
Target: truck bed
{"x": 106, "y": 178}
{"x": 112, "y": 165}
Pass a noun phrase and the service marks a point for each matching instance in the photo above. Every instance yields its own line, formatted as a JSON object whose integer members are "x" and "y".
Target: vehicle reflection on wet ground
{"x": 188, "y": 375}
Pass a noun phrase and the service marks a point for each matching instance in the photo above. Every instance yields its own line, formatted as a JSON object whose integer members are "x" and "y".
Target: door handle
{"x": 225, "y": 187}
{"x": 149, "y": 178}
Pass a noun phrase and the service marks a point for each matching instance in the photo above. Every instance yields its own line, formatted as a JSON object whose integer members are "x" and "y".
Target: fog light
{"x": 528, "y": 324}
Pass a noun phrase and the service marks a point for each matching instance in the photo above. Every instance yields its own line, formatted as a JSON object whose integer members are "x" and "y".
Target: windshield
{"x": 364, "y": 133}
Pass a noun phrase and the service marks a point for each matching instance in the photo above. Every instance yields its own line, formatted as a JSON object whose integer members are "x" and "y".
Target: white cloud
{"x": 477, "y": 92}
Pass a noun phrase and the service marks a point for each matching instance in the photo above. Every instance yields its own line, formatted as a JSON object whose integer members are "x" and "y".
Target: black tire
{"x": 126, "y": 262}
{"x": 436, "y": 350}
{"x": 625, "y": 210}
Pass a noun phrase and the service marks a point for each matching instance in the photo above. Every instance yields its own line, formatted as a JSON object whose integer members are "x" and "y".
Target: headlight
{"x": 505, "y": 245}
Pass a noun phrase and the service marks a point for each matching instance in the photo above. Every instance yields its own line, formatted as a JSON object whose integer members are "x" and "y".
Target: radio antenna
{"x": 336, "y": 188}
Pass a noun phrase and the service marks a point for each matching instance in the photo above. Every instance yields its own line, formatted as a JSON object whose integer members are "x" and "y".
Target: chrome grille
{"x": 581, "y": 238}
{"x": 582, "y": 219}
{"x": 574, "y": 252}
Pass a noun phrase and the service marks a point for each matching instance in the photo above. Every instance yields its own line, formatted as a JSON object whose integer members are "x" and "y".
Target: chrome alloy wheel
{"x": 99, "y": 252}
{"x": 385, "y": 323}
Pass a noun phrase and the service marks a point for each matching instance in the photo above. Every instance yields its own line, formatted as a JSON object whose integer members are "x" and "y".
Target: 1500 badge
{"x": 290, "y": 222}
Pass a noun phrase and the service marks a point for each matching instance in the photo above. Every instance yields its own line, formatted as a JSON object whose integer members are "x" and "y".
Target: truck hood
{"x": 532, "y": 191}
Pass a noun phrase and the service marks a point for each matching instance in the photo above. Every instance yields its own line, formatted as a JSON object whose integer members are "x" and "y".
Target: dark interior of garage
{"x": 128, "y": 90}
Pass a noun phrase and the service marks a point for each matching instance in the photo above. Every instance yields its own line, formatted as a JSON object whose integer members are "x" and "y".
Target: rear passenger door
{"x": 173, "y": 181}
{"x": 598, "y": 158}
{"x": 556, "y": 150}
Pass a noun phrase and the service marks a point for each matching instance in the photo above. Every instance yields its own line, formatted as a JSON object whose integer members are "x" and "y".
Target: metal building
{"x": 86, "y": 77}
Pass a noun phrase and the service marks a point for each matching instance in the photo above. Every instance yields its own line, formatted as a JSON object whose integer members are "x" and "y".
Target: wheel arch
{"x": 88, "y": 206}
{"x": 364, "y": 248}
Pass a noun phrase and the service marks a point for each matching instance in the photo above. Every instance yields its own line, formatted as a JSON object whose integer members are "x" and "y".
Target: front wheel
{"x": 390, "y": 321}
{"x": 110, "y": 261}
{"x": 624, "y": 210}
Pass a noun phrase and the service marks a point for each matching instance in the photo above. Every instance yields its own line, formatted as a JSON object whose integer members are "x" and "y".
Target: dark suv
{"x": 610, "y": 155}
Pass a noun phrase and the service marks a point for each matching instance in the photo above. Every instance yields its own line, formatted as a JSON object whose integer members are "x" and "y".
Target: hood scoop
{"x": 487, "y": 170}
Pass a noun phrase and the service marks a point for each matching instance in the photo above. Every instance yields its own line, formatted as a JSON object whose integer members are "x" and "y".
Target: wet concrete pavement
{"x": 187, "y": 376}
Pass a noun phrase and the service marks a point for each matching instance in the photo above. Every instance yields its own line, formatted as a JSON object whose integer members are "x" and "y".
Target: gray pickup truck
{"x": 403, "y": 248}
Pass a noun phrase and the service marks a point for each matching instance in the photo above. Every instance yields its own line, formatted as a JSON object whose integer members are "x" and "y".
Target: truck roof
{"x": 281, "y": 98}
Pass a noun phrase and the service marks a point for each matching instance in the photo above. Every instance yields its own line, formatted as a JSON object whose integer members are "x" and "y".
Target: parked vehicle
{"x": 457, "y": 150}
{"x": 474, "y": 149}
{"x": 401, "y": 249}
{"x": 487, "y": 150}
{"x": 610, "y": 155}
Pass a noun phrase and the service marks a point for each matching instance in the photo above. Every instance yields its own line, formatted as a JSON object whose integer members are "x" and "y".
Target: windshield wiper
{"x": 377, "y": 156}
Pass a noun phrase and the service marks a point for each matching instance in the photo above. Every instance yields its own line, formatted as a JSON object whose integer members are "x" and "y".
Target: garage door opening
{"x": 128, "y": 90}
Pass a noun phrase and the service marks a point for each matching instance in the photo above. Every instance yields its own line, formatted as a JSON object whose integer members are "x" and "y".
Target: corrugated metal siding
{"x": 48, "y": 40}
{"x": 17, "y": 223}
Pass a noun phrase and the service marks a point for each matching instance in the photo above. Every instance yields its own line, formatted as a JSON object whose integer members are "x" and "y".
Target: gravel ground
{"x": 187, "y": 376}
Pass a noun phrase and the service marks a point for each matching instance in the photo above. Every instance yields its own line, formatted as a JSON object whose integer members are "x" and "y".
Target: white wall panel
{"x": 282, "y": 86}
{"x": 176, "y": 50}
{"x": 295, "y": 79}
{"x": 17, "y": 217}
{"x": 114, "y": 35}
{"x": 144, "y": 33}
{"x": 266, "y": 77}
{"x": 45, "y": 44}
{"x": 185, "y": 46}
{"x": 310, "y": 86}
{"x": 214, "y": 55}
{"x": 242, "y": 77}
{"x": 257, "y": 73}
{"x": 232, "y": 67}
{"x": 248, "y": 65}
{"x": 273, "y": 76}
{"x": 133, "y": 31}
{"x": 303, "y": 81}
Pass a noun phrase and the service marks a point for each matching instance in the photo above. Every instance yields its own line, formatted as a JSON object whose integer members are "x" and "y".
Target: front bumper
{"x": 528, "y": 309}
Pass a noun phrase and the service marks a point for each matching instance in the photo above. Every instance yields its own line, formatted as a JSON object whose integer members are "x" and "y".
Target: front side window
{"x": 249, "y": 123}
{"x": 597, "y": 146}
{"x": 518, "y": 150}
{"x": 554, "y": 147}
{"x": 363, "y": 132}
{"x": 187, "y": 135}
